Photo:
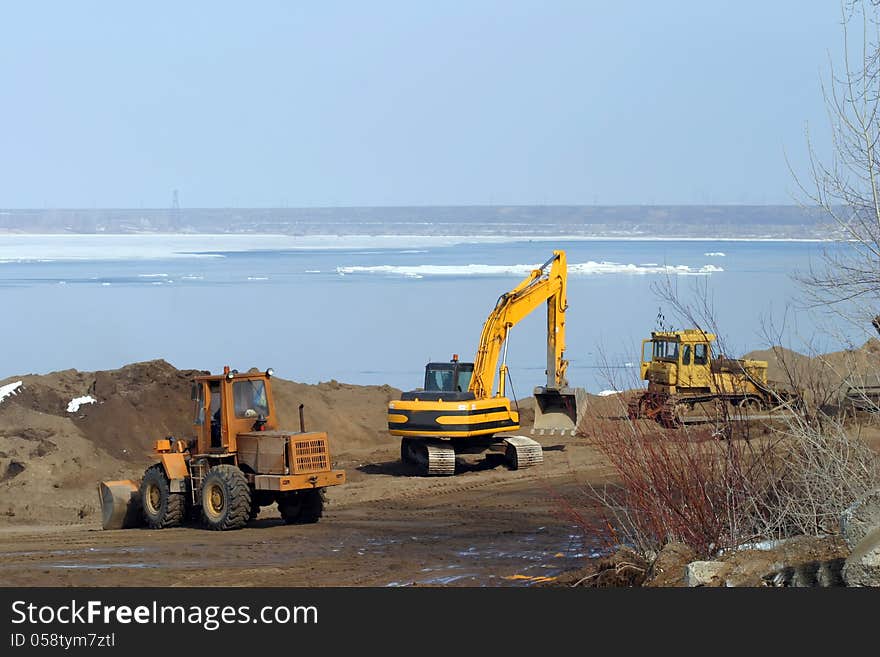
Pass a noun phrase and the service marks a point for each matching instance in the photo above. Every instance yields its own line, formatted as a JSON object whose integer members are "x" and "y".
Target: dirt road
{"x": 486, "y": 526}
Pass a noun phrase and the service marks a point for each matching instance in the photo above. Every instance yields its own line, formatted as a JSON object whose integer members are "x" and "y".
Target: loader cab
{"x": 228, "y": 405}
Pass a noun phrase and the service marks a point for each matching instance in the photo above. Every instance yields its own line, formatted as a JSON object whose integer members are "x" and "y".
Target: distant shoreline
{"x": 690, "y": 222}
{"x": 456, "y": 239}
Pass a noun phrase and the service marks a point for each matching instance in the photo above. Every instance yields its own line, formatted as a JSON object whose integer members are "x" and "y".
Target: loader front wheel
{"x": 226, "y": 498}
{"x": 161, "y": 507}
{"x": 302, "y": 507}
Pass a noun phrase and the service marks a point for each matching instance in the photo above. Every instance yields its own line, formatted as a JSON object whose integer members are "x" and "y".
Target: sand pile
{"x": 62, "y": 432}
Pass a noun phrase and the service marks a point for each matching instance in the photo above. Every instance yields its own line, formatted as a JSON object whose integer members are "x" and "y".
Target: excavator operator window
{"x": 686, "y": 354}
{"x": 440, "y": 377}
{"x": 701, "y": 354}
{"x": 464, "y": 375}
{"x": 250, "y": 399}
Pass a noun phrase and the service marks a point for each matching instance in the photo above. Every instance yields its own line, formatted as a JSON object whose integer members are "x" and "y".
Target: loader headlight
{"x": 270, "y": 372}
{"x": 229, "y": 375}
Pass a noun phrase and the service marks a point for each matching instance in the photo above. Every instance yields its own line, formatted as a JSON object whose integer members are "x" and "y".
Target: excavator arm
{"x": 545, "y": 284}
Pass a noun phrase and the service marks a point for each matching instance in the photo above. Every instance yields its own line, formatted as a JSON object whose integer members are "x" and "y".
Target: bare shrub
{"x": 690, "y": 486}
{"x": 824, "y": 468}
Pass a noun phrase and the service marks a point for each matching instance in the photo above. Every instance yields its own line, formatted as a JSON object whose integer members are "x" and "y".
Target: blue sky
{"x": 408, "y": 103}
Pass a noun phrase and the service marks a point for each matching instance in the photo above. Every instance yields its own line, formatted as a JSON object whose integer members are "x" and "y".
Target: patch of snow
{"x": 9, "y": 389}
{"x": 75, "y": 403}
{"x": 583, "y": 269}
{"x": 608, "y": 393}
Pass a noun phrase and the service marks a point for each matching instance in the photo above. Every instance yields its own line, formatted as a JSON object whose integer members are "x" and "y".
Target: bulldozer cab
{"x": 678, "y": 358}
{"x": 228, "y": 405}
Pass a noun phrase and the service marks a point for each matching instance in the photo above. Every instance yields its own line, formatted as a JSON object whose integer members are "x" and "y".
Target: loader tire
{"x": 226, "y": 498}
{"x": 302, "y": 507}
{"x": 161, "y": 507}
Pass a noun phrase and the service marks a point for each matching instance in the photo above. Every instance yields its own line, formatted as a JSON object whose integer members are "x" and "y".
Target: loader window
{"x": 701, "y": 354}
{"x": 216, "y": 420}
{"x": 199, "y": 399}
{"x": 686, "y": 354}
{"x": 666, "y": 350}
{"x": 250, "y": 399}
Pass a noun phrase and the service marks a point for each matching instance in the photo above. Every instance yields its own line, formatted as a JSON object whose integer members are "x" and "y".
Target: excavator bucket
{"x": 558, "y": 409}
{"x": 120, "y": 504}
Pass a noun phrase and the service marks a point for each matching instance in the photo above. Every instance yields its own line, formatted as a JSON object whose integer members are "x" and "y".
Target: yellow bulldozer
{"x": 457, "y": 411}
{"x": 682, "y": 371}
{"x": 239, "y": 461}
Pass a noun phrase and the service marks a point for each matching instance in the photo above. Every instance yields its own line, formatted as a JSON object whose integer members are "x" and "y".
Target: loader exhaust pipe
{"x": 302, "y": 419}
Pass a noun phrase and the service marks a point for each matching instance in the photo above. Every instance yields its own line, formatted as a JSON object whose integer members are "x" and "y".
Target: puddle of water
{"x": 90, "y": 550}
{"x": 520, "y": 560}
{"x": 100, "y": 566}
{"x": 449, "y": 579}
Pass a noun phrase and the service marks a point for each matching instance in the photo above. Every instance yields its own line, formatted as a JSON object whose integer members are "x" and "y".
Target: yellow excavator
{"x": 457, "y": 412}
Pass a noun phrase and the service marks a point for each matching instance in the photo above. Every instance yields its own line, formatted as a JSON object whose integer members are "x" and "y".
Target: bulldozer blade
{"x": 558, "y": 409}
{"x": 120, "y": 504}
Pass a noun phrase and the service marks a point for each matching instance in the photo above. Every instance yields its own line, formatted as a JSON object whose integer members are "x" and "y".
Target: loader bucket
{"x": 120, "y": 504}
{"x": 558, "y": 409}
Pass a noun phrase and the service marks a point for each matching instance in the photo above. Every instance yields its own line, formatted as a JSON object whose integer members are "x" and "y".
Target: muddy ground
{"x": 484, "y": 527}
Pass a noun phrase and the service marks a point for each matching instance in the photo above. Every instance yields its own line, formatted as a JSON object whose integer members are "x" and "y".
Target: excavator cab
{"x": 450, "y": 377}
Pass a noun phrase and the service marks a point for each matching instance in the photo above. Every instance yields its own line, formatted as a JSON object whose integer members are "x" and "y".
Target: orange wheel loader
{"x": 239, "y": 461}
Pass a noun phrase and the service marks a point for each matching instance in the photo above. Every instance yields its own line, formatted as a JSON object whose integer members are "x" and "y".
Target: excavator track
{"x": 523, "y": 452}
{"x": 429, "y": 458}
{"x": 440, "y": 460}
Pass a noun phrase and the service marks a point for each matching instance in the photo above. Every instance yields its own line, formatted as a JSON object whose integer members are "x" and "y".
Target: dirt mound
{"x": 783, "y": 363}
{"x": 63, "y": 432}
{"x": 354, "y": 416}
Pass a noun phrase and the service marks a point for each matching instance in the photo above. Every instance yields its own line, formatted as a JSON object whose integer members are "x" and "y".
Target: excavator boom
{"x": 545, "y": 284}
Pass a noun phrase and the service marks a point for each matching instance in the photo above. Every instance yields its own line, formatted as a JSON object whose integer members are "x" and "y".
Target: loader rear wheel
{"x": 161, "y": 507}
{"x": 226, "y": 498}
{"x": 302, "y": 507}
